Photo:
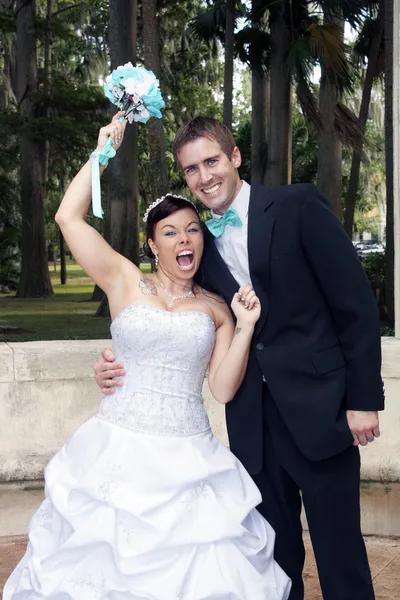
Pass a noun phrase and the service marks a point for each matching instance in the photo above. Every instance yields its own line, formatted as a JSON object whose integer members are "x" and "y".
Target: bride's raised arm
{"x": 96, "y": 257}
{"x": 232, "y": 346}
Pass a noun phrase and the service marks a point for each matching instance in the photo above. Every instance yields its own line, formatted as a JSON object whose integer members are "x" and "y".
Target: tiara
{"x": 158, "y": 201}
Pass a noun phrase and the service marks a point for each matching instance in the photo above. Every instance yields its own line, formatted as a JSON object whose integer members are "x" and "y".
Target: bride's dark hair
{"x": 164, "y": 209}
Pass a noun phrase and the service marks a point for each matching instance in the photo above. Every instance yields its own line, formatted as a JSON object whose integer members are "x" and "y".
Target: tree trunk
{"x": 228, "y": 68}
{"x": 280, "y": 122}
{"x": 260, "y": 105}
{"x": 123, "y": 193}
{"x": 389, "y": 152}
{"x": 35, "y": 278}
{"x": 155, "y": 128}
{"x": 48, "y": 42}
{"x": 8, "y": 84}
{"x": 5, "y": 88}
{"x": 329, "y": 179}
{"x": 363, "y": 117}
{"x": 63, "y": 265}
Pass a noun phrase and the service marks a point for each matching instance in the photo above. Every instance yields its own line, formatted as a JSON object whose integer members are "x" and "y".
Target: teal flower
{"x": 135, "y": 90}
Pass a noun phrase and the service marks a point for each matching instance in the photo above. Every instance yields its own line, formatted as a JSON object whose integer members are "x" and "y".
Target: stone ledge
{"x": 47, "y": 391}
{"x": 37, "y": 418}
{"x": 390, "y": 358}
{"x": 381, "y": 459}
{"x": 6, "y": 362}
{"x": 48, "y": 360}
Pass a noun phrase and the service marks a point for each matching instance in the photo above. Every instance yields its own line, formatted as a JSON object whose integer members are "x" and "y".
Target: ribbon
{"x": 100, "y": 158}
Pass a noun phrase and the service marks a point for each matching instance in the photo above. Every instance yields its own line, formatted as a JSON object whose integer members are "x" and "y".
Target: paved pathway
{"x": 384, "y": 555}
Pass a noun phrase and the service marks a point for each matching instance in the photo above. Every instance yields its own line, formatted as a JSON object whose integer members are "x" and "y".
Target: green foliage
{"x": 371, "y": 189}
{"x": 304, "y": 150}
{"x": 374, "y": 267}
{"x": 210, "y": 24}
{"x": 70, "y": 109}
{"x": 9, "y": 256}
{"x": 243, "y": 141}
{"x": 9, "y": 199}
{"x": 72, "y": 106}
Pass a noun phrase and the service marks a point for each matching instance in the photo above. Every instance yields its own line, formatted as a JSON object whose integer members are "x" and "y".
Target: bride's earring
{"x": 156, "y": 261}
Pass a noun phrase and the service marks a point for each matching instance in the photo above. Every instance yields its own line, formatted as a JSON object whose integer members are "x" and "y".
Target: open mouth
{"x": 185, "y": 260}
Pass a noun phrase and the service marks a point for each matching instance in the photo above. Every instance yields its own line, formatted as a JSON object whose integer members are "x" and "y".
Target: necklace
{"x": 173, "y": 298}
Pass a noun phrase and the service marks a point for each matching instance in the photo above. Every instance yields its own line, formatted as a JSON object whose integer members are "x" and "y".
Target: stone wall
{"x": 47, "y": 390}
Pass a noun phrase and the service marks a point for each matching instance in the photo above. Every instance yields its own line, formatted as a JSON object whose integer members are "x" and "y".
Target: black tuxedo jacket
{"x": 317, "y": 342}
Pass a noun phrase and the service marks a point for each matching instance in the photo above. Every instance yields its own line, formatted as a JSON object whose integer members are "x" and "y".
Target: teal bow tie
{"x": 217, "y": 226}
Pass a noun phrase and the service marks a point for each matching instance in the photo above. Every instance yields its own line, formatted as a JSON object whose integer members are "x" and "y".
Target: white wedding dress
{"x": 143, "y": 502}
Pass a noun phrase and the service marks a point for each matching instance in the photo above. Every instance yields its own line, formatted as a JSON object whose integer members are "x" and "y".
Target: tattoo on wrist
{"x": 147, "y": 287}
{"x": 238, "y": 330}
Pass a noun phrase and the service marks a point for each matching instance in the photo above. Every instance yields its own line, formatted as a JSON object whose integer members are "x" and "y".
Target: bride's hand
{"x": 246, "y": 306}
{"x": 114, "y": 130}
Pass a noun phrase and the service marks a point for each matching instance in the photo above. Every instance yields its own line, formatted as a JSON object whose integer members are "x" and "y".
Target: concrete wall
{"x": 47, "y": 390}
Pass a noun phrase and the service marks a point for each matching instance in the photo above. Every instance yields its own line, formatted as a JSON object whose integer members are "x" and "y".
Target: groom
{"x": 313, "y": 382}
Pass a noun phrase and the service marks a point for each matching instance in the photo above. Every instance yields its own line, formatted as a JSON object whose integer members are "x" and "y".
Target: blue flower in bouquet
{"x": 135, "y": 90}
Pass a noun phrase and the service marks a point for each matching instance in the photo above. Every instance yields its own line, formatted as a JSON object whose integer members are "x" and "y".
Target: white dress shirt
{"x": 232, "y": 244}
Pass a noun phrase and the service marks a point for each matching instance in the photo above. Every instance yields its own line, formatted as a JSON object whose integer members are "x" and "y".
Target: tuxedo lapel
{"x": 216, "y": 270}
{"x": 260, "y": 229}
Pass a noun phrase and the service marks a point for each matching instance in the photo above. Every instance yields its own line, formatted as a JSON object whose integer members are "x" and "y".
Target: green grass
{"x": 68, "y": 315}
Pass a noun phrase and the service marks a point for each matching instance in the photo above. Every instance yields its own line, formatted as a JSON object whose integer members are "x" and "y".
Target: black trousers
{"x": 330, "y": 490}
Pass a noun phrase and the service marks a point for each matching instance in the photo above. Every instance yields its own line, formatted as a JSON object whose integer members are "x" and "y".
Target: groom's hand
{"x": 364, "y": 425}
{"x": 105, "y": 370}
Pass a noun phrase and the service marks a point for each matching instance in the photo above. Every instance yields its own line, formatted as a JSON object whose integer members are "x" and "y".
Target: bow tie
{"x": 217, "y": 226}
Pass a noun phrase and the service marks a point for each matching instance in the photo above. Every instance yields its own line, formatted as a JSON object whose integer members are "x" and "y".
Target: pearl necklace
{"x": 173, "y": 298}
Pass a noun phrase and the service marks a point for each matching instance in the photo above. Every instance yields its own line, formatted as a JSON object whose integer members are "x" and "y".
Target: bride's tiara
{"x": 159, "y": 200}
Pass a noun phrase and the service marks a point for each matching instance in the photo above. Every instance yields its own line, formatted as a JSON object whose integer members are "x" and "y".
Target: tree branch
{"x": 55, "y": 14}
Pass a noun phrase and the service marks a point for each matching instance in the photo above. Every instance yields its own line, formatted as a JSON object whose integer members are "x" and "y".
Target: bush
{"x": 374, "y": 267}
{"x": 9, "y": 258}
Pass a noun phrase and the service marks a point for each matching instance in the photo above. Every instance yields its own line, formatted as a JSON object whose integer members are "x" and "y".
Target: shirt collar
{"x": 240, "y": 204}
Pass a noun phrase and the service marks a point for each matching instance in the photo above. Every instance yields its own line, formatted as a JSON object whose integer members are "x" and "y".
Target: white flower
{"x": 138, "y": 87}
{"x": 128, "y": 65}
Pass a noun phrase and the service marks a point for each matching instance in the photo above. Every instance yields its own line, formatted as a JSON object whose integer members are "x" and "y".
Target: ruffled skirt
{"x": 129, "y": 516}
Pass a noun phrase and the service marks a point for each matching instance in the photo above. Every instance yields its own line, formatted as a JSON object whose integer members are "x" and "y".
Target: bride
{"x": 143, "y": 502}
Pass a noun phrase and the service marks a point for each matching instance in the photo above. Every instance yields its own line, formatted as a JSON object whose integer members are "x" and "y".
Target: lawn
{"x": 68, "y": 315}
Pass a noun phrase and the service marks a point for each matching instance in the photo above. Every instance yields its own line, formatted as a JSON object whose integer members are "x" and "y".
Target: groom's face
{"x": 210, "y": 174}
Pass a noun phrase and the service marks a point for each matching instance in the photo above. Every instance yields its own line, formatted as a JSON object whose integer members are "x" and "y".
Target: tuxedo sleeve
{"x": 347, "y": 292}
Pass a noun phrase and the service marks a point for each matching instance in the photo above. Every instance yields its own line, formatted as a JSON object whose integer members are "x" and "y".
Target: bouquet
{"x": 136, "y": 91}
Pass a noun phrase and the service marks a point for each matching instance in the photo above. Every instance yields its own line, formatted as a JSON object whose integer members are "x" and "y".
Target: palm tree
{"x": 122, "y": 176}
{"x": 35, "y": 278}
{"x": 122, "y": 228}
{"x": 9, "y": 71}
{"x": 253, "y": 46}
{"x": 229, "y": 56}
{"x": 155, "y": 128}
{"x": 329, "y": 178}
{"x": 372, "y": 36}
{"x": 279, "y": 140}
{"x": 218, "y": 23}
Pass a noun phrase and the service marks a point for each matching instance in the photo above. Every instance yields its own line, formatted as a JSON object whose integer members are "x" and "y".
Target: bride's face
{"x": 178, "y": 241}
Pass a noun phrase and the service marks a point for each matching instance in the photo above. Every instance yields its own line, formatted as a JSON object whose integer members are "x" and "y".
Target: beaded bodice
{"x": 166, "y": 355}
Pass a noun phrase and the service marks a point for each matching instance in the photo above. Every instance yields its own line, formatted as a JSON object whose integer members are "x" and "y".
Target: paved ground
{"x": 384, "y": 555}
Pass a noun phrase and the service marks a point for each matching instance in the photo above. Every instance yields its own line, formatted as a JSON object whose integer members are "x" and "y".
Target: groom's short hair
{"x": 204, "y": 127}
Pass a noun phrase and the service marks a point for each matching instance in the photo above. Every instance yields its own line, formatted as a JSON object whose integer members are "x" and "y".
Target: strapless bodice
{"x": 166, "y": 355}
